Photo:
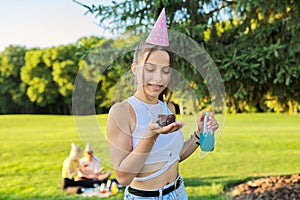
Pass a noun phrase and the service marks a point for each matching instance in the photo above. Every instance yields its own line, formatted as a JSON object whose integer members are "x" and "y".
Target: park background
{"x": 254, "y": 44}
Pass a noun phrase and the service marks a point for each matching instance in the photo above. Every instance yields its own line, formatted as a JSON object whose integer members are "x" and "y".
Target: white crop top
{"x": 167, "y": 146}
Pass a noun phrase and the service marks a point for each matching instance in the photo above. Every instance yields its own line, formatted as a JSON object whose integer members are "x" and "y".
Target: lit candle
{"x": 166, "y": 107}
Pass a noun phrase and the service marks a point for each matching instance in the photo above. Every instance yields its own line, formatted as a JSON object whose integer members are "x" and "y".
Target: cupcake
{"x": 164, "y": 120}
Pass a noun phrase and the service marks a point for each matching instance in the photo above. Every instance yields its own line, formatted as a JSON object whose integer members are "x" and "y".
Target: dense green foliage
{"x": 42, "y": 80}
{"x": 33, "y": 148}
{"x": 255, "y": 45}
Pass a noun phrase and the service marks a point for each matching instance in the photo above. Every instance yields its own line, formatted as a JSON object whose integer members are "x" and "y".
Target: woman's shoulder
{"x": 122, "y": 110}
{"x": 120, "y": 107}
{"x": 120, "y": 114}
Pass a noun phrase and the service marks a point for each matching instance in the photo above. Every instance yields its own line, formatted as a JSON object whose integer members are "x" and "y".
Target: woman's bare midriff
{"x": 167, "y": 177}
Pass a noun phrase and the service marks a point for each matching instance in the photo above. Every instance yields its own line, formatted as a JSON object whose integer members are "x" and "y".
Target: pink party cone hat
{"x": 159, "y": 34}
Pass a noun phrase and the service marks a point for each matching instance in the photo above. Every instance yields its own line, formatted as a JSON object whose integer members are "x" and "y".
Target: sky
{"x": 46, "y": 23}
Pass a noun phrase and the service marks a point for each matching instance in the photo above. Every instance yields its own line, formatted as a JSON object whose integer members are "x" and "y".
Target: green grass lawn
{"x": 33, "y": 147}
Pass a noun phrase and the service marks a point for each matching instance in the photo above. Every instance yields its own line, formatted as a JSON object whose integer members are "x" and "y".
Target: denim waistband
{"x": 155, "y": 193}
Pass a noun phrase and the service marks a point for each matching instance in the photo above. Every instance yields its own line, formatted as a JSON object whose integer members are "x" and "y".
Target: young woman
{"x": 146, "y": 156}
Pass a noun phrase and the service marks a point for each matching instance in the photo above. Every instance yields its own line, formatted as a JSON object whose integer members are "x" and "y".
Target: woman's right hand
{"x": 155, "y": 128}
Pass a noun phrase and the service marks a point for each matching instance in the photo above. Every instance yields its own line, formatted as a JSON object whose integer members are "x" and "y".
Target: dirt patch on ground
{"x": 272, "y": 187}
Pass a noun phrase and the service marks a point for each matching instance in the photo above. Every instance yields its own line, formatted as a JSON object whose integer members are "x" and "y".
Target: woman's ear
{"x": 133, "y": 68}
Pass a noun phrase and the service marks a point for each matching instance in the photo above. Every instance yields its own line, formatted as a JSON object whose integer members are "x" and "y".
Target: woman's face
{"x": 154, "y": 76}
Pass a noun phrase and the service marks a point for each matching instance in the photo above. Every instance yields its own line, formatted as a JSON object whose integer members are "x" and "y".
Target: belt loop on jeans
{"x": 160, "y": 193}
{"x": 175, "y": 184}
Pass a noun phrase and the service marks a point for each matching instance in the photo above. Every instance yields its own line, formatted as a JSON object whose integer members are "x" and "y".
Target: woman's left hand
{"x": 211, "y": 124}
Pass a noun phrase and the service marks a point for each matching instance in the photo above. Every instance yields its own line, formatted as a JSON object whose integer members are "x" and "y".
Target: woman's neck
{"x": 142, "y": 96}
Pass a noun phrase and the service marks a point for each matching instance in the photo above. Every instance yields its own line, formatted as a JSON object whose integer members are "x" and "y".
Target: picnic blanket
{"x": 112, "y": 187}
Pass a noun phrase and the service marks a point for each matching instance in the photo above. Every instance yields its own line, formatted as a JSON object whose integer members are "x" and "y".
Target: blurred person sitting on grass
{"x": 90, "y": 167}
{"x": 70, "y": 182}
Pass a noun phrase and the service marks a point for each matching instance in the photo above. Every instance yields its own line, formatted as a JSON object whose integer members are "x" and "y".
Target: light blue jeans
{"x": 178, "y": 194}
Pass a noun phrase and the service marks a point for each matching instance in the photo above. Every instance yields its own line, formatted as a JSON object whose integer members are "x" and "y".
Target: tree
{"x": 12, "y": 90}
{"x": 255, "y": 44}
{"x": 99, "y": 71}
{"x": 261, "y": 56}
{"x": 64, "y": 70}
{"x": 37, "y": 75}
